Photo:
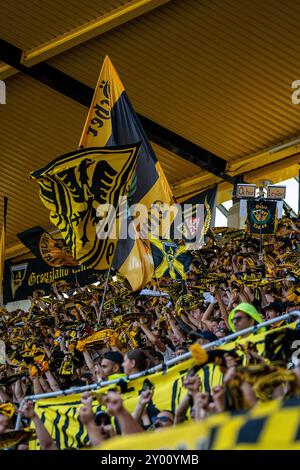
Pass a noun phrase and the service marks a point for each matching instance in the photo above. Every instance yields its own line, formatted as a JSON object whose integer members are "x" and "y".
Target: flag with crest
{"x": 112, "y": 121}
{"x": 261, "y": 217}
{"x": 74, "y": 186}
{"x": 170, "y": 259}
{"x": 53, "y": 251}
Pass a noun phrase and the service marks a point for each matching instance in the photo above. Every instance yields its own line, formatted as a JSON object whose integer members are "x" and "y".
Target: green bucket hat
{"x": 248, "y": 309}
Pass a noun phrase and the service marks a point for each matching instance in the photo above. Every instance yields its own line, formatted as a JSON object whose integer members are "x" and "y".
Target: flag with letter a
{"x": 74, "y": 186}
{"x": 112, "y": 121}
{"x": 170, "y": 259}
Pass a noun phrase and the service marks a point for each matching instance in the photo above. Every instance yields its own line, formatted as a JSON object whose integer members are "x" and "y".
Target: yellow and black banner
{"x": 274, "y": 425}
{"x": 267, "y": 426}
{"x": 220, "y": 431}
{"x": 261, "y": 217}
{"x": 60, "y": 415}
{"x": 22, "y": 279}
{"x": 194, "y": 223}
{"x": 75, "y": 186}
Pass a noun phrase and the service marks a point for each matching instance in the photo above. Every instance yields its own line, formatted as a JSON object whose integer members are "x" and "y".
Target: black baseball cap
{"x": 114, "y": 356}
{"x": 276, "y": 305}
{"x": 102, "y": 417}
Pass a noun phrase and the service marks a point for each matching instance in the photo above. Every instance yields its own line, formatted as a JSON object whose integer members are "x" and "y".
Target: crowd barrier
{"x": 161, "y": 367}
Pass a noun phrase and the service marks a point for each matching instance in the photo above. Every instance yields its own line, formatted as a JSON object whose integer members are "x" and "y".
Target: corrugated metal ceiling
{"x": 37, "y": 125}
{"x": 217, "y": 72}
{"x": 28, "y": 24}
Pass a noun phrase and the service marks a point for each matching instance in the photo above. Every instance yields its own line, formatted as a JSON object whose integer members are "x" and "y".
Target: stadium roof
{"x": 210, "y": 79}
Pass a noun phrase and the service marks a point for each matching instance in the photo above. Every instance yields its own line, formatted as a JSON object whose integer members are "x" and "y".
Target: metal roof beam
{"x": 48, "y": 75}
{"x": 78, "y": 91}
{"x": 223, "y": 210}
{"x": 289, "y": 209}
{"x": 186, "y": 149}
{"x": 84, "y": 33}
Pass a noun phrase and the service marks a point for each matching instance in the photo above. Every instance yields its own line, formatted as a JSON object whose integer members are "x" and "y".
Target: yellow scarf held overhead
{"x": 7, "y": 409}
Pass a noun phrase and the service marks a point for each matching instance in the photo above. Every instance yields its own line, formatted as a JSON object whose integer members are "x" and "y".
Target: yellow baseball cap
{"x": 246, "y": 308}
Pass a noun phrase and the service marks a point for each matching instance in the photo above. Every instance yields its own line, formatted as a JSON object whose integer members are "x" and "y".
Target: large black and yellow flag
{"x": 2, "y": 248}
{"x": 197, "y": 216}
{"x": 170, "y": 259}
{"x": 112, "y": 121}
{"x": 261, "y": 217}
{"x": 75, "y": 185}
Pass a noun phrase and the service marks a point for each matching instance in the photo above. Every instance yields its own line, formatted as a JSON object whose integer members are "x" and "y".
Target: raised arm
{"x": 116, "y": 408}
{"x": 193, "y": 386}
{"x": 151, "y": 336}
{"x": 87, "y": 418}
{"x": 176, "y": 330}
{"x": 45, "y": 440}
{"x": 52, "y": 382}
{"x": 145, "y": 398}
{"x": 222, "y": 307}
{"x": 88, "y": 360}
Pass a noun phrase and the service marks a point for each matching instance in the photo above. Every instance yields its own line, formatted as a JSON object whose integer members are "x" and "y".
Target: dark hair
{"x": 148, "y": 350}
{"x": 140, "y": 358}
{"x": 113, "y": 356}
{"x": 101, "y": 416}
{"x": 152, "y": 355}
{"x": 167, "y": 342}
{"x": 140, "y": 308}
{"x": 158, "y": 355}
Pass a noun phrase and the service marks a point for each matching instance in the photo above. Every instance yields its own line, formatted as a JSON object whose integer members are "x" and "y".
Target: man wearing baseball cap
{"x": 111, "y": 366}
{"x": 244, "y": 316}
{"x": 203, "y": 337}
{"x": 273, "y": 310}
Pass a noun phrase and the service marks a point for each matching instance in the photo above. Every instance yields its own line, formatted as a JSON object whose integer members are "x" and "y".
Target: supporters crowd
{"x": 230, "y": 286}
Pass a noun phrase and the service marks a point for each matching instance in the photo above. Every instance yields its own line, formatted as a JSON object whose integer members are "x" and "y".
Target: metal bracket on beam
{"x": 10, "y": 53}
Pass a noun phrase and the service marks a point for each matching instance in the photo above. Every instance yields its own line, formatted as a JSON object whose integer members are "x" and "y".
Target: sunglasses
{"x": 236, "y": 319}
{"x": 163, "y": 419}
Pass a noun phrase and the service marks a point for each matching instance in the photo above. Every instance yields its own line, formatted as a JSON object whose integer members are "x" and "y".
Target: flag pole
{"x": 99, "y": 314}
{"x": 2, "y": 248}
